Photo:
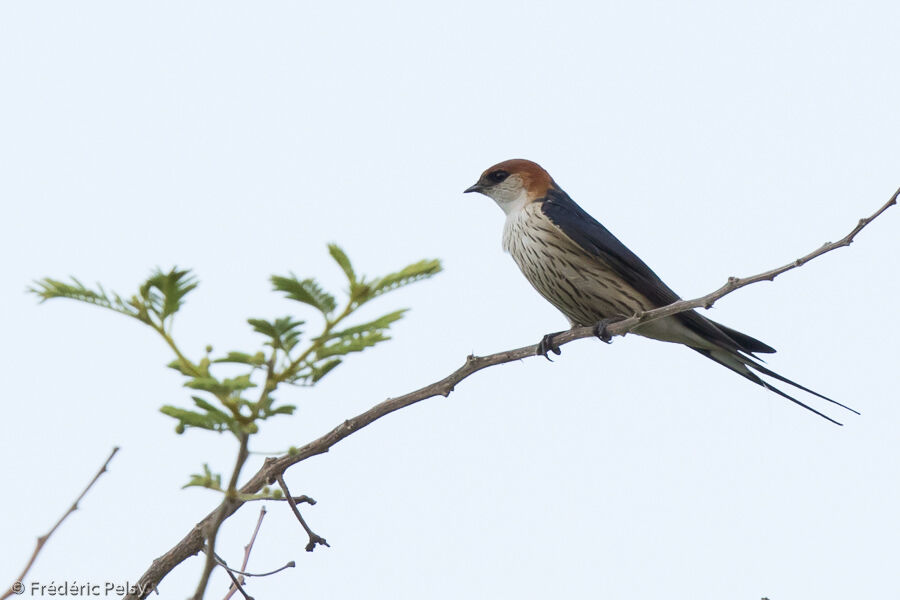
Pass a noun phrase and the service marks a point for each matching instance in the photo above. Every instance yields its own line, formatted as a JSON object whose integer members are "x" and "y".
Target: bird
{"x": 583, "y": 270}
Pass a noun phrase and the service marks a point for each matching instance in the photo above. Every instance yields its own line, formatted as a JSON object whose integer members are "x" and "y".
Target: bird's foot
{"x": 546, "y": 346}
{"x": 600, "y": 328}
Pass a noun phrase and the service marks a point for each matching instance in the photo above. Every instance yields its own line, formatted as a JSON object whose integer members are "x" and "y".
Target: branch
{"x": 43, "y": 539}
{"x": 273, "y": 468}
{"x": 236, "y": 584}
{"x": 313, "y": 537}
{"x": 302, "y": 499}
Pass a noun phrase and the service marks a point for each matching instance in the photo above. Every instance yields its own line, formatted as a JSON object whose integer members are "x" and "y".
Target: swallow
{"x": 583, "y": 270}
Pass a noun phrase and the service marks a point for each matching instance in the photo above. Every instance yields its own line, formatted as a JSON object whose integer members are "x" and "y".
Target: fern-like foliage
{"x": 340, "y": 257}
{"x": 405, "y": 276}
{"x": 283, "y": 333}
{"x": 164, "y": 293}
{"x": 160, "y": 296}
{"x": 306, "y": 291}
{"x": 48, "y": 288}
{"x": 225, "y": 405}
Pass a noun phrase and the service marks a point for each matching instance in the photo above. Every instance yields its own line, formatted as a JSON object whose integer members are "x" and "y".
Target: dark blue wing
{"x": 594, "y": 238}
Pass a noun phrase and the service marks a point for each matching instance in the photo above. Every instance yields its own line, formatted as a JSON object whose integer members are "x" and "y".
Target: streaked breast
{"x": 582, "y": 286}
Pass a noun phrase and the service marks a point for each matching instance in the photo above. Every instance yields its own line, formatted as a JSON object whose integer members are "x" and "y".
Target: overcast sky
{"x": 238, "y": 139}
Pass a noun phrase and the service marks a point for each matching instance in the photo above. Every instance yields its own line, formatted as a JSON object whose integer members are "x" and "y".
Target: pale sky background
{"x": 237, "y": 139}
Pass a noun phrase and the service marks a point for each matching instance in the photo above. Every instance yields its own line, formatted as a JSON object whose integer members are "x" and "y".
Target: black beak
{"x": 474, "y": 188}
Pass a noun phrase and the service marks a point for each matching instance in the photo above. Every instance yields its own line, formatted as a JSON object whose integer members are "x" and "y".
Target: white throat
{"x": 512, "y": 205}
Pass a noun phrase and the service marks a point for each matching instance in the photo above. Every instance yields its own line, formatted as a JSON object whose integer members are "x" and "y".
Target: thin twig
{"x": 43, "y": 539}
{"x": 235, "y": 584}
{"x": 272, "y": 468}
{"x": 237, "y": 581}
{"x": 302, "y": 499}
{"x": 313, "y": 537}
{"x": 288, "y": 565}
{"x": 234, "y": 587}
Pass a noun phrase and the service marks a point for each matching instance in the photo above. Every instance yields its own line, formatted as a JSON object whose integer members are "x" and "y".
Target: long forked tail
{"x": 741, "y": 364}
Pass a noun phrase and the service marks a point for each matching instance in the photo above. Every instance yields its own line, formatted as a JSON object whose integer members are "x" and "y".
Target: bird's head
{"x": 513, "y": 183}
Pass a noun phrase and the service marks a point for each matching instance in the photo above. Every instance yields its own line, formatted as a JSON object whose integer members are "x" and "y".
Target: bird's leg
{"x": 600, "y": 328}
{"x": 546, "y": 345}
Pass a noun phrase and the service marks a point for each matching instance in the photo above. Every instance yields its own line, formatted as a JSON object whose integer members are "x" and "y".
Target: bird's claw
{"x": 600, "y": 329}
{"x": 546, "y": 345}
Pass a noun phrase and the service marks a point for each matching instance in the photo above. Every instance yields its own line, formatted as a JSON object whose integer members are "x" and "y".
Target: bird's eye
{"x": 498, "y": 175}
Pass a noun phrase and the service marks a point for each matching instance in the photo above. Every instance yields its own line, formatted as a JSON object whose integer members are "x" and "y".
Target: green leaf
{"x": 239, "y": 383}
{"x": 379, "y": 324}
{"x": 47, "y": 288}
{"x": 161, "y": 294}
{"x": 207, "y": 384}
{"x": 347, "y": 345}
{"x": 264, "y": 327}
{"x": 266, "y": 410}
{"x": 181, "y": 367}
{"x": 256, "y": 360}
{"x": 408, "y": 274}
{"x": 320, "y": 371}
{"x": 221, "y": 388}
{"x": 341, "y": 259}
{"x": 207, "y": 479}
{"x": 188, "y": 418}
{"x": 423, "y": 269}
{"x": 165, "y": 292}
{"x": 306, "y": 291}
{"x": 284, "y": 332}
{"x": 211, "y": 410}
